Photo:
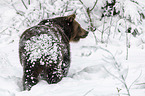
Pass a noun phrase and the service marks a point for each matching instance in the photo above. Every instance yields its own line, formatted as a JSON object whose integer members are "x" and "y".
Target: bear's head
{"x": 71, "y": 27}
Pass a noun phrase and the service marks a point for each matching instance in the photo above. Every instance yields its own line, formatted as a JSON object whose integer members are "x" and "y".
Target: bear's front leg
{"x": 65, "y": 63}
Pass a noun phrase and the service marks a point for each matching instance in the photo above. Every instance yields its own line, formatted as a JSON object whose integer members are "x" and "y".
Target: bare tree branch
{"x": 29, "y": 2}
{"x": 113, "y": 75}
{"x": 91, "y": 27}
{"x": 24, "y": 4}
{"x": 83, "y": 4}
{"x": 94, "y": 5}
{"x": 127, "y": 89}
{"x": 135, "y": 80}
{"x": 88, "y": 92}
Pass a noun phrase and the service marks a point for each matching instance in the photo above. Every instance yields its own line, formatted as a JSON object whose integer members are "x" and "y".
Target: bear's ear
{"x": 70, "y": 18}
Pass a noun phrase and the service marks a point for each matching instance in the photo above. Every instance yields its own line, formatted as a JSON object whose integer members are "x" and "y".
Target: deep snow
{"x": 86, "y": 77}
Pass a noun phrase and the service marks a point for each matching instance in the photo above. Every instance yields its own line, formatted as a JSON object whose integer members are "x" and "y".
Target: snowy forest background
{"x": 109, "y": 62}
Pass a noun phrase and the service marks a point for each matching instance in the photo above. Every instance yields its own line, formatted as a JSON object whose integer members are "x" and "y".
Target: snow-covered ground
{"x": 87, "y": 76}
{"x": 93, "y": 70}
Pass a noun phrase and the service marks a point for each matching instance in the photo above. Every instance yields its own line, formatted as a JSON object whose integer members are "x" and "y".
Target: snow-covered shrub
{"x": 109, "y": 9}
{"x": 32, "y": 12}
{"x": 118, "y": 16}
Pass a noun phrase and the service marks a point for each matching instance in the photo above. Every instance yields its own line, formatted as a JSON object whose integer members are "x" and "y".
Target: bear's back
{"x": 43, "y": 43}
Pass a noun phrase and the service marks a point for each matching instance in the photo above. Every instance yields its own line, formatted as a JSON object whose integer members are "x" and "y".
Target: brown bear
{"x": 44, "y": 49}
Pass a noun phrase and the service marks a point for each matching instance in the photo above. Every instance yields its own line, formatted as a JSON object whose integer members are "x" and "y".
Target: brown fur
{"x": 60, "y": 32}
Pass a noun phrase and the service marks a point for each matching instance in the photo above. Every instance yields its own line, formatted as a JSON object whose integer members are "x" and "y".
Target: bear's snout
{"x": 85, "y": 34}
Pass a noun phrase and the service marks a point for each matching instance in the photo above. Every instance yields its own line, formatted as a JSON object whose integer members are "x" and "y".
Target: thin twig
{"x": 103, "y": 30}
{"x": 123, "y": 80}
{"x": 135, "y": 80}
{"x": 67, "y": 3}
{"x": 113, "y": 75}
{"x": 4, "y": 30}
{"x": 83, "y": 4}
{"x": 118, "y": 68}
{"x": 88, "y": 92}
{"x": 24, "y": 4}
{"x": 109, "y": 30}
{"x": 125, "y": 85}
{"x": 98, "y": 30}
{"x": 92, "y": 28}
{"x": 90, "y": 19}
{"x": 118, "y": 90}
{"x": 116, "y": 63}
{"x": 116, "y": 26}
{"x": 94, "y": 5}
{"x": 127, "y": 42}
{"x": 91, "y": 25}
{"x": 29, "y": 2}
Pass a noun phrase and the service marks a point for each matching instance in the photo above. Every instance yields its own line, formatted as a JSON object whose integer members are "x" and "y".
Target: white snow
{"x": 86, "y": 77}
{"x": 37, "y": 48}
{"x": 92, "y": 71}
